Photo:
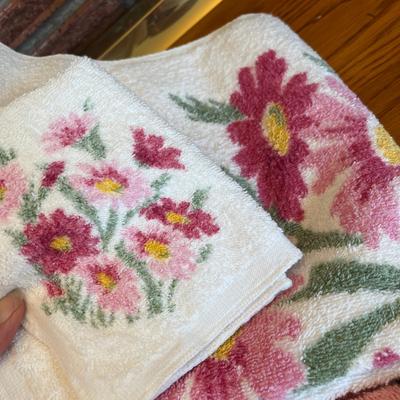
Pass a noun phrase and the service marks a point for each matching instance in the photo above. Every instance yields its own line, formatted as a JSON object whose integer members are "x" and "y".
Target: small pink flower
{"x": 113, "y": 285}
{"x": 12, "y": 187}
{"x": 150, "y": 150}
{"x": 385, "y": 357}
{"x": 67, "y": 131}
{"x": 51, "y": 174}
{"x": 167, "y": 252}
{"x": 110, "y": 184}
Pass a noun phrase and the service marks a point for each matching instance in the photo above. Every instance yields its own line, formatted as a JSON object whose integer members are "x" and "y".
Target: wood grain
{"x": 360, "y": 39}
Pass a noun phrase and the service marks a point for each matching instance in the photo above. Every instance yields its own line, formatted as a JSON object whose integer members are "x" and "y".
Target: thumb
{"x": 12, "y": 311}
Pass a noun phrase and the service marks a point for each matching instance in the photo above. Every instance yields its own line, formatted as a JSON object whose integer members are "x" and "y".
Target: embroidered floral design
{"x": 269, "y": 116}
{"x": 12, "y": 187}
{"x": 51, "y": 174}
{"x": 56, "y": 241}
{"x": 67, "y": 131}
{"x": 167, "y": 252}
{"x": 270, "y": 134}
{"x": 181, "y": 216}
{"x": 88, "y": 269}
{"x": 385, "y": 357}
{"x": 81, "y": 132}
{"x": 367, "y": 202}
{"x": 253, "y": 355}
{"x": 110, "y": 184}
{"x": 114, "y": 286}
{"x": 150, "y": 150}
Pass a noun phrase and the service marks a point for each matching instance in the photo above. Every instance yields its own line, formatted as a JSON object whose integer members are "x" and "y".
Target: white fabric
{"x": 62, "y": 358}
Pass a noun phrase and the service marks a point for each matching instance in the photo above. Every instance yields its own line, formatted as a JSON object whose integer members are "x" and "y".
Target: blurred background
{"x": 360, "y": 39}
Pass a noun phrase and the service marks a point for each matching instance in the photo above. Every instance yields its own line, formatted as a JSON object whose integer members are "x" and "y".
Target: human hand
{"x": 12, "y": 311}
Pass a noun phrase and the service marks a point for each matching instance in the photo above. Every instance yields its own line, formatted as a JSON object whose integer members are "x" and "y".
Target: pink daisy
{"x": 67, "y": 131}
{"x": 110, "y": 184}
{"x": 367, "y": 202}
{"x": 114, "y": 286}
{"x": 166, "y": 252}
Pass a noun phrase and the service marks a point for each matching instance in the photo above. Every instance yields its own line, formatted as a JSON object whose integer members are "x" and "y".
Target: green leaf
{"x": 349, "y": 276}
{"x": 93, "y": 144}
{"x": 334, "y": 354}
{"x": 319, "y": 61}
{"x": 29, "y": 208}
{"x": 110, "y": 228}
{"x": 307, "y": 240}
{"x": 88, "y": 105}
{"x": 18, "y": 238}
{"x": 171, "y": 292}
{"x": 211, "y": 111}
{"x": 204, "y": 253}
{"x": 152, "y": 289}
{"x": 199, "y": 198}
{"x": 6, "y": 156}
{"x": 79, "y": 202}
{"x": 244, "y": 184}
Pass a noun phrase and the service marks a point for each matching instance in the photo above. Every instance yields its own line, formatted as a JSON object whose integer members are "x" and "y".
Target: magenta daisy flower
{"x": 180, "y": 216}
{"x": 56, "y": 242}
{"x": 269, "y": 135}
{"x": 110, "y": 184}
{"x": 150, "y": 150}
{"x": 114, "y": 286}
{"x": 166, "y": 252}
{"x": 12, "y": 187}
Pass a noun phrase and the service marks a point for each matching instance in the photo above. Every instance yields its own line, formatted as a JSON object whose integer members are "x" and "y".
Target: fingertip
{"x": 14, "y": 305}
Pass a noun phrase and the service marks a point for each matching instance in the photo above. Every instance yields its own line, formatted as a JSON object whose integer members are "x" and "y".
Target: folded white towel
{"x": 138, "y": 255}
{"x": 263, "y": 105}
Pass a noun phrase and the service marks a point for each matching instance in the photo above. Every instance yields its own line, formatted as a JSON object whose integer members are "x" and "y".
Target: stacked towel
{"x": 277, "y": 119}
{"x": 139, "y": 257}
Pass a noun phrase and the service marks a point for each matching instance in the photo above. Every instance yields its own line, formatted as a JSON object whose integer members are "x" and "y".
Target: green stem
{"x": 80, "y": 203}
{"x": 152, "y": 289}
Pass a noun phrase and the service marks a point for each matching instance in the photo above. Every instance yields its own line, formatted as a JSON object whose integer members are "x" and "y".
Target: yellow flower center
{"x": 388, "y": 147}
{"x": 107, "y": 281}
{"x": 61, "y": 243}
{"x": 175, "y": 218}
{"x": 223, "y": 351}
{"x": 156, "y": 249}
{"x": 109, "y": 186}
{"x": 275, "y": 129}
{"x": 3, "y": 192}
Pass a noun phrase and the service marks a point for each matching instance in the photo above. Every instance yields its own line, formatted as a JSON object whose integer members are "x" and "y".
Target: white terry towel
{"x": 139, "y": 257}
{"x": 263, "y": 105}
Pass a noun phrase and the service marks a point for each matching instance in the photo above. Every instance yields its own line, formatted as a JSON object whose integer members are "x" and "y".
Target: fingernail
{"x": 9, "y": 304}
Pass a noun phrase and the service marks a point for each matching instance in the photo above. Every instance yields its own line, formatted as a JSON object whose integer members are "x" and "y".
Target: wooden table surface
{"x": 360, "y": 39}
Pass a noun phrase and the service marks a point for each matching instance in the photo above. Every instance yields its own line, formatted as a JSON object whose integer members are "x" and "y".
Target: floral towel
{"x": 277, "y": 119}
{"x": 139, "y": 256}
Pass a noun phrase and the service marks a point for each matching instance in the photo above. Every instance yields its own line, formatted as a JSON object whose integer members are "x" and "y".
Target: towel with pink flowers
{"x": 139, "y": 256}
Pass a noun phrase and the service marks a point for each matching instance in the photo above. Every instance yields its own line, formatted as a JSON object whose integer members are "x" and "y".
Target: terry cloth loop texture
{"x": 138, "y": 255}
{"x": 266, "y": 108}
